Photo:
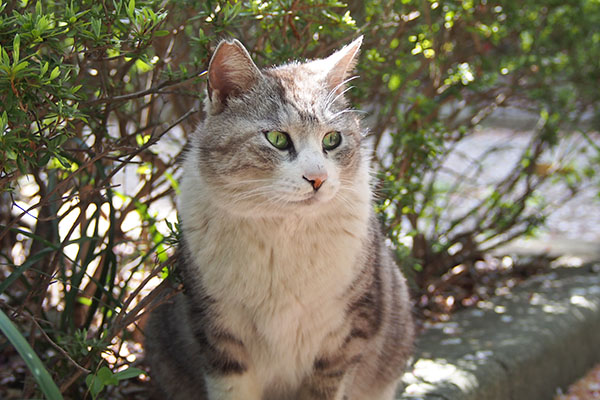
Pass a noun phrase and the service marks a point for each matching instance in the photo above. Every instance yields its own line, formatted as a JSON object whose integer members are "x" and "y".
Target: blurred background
{"x": 483, "y": 117}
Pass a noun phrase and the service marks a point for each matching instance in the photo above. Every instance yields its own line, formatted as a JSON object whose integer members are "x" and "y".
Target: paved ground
{"x": 524, "y": 345}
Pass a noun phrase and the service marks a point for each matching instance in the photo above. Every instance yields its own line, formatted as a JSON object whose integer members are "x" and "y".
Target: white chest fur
{"x": 279, "y": 282}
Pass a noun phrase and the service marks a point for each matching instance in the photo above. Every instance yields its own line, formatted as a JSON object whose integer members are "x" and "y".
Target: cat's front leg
{"x": 329, "y": 380}
{"x": 233, "y": 387}
{"x": 228, "y": 374}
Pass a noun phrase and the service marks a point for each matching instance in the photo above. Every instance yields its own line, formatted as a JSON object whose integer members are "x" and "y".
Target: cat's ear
{"x": 341, "y": 64}
{"x": 231, "y": 71}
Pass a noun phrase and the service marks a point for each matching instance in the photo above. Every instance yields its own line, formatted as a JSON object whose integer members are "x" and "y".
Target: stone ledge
{"x": 522, "y": 346}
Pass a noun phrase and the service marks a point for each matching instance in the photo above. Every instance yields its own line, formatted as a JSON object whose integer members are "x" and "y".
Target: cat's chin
{"x": 313, "y": 206}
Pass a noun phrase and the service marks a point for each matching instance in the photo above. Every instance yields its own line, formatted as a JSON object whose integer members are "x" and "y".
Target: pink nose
{"x": 316, "y": 180}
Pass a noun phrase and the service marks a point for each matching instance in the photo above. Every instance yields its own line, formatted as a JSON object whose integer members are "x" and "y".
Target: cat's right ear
{"x": 231, "y": 71}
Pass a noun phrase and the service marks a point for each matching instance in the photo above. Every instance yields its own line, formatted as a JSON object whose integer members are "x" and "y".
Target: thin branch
{"x": 46, "y": 199}
{"x": 48, "y": 339}
{"x": 142, "y": 93}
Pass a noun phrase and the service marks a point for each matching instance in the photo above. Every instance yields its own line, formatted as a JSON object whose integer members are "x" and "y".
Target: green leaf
{"x": 96, "y": 26}
{"x": 173, "y": 181}
{"x": 16, "y": 45}
{"x": 161, "y": 33}
{"x": 106, "y": 376}
{"x": 3, "y": 122}
{"x": 84, "y": 300}
{"x": 118, "y": 5}
{"x": 44, "y": 69}
{"x": 94, "y": 384}
{"x": 19, "y": 66}
{"x": 131, "y": 9}
{"x": 5, "y": 59}
{"x": 394, "y": 82}
{"x": 35, "y": 365}
{"x": 64, "y": 163}
{"x": 143, "y": 66}
{"x": 129, "y": 373}
{"x": 55, "y": 72}
{"x": 22, "y": 165}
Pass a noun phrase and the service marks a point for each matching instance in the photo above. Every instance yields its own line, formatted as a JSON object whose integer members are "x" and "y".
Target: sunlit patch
{"x": 568, "y": 262}
{"x": 555, "y": 309}
{"x": 437, "y": 371}
{"x": 109, "y": 357}
{"x": 583, "y": 302}
{"x": 499, "y": 309}
{"x": 480, "y": 355}
{"x": 507, "y": 262}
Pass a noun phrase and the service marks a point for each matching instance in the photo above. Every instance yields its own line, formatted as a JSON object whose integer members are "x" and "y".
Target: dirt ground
{"x": 587, "y": 388}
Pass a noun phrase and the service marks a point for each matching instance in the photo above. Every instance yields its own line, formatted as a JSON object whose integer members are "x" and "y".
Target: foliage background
{"x": 97, "y": 99}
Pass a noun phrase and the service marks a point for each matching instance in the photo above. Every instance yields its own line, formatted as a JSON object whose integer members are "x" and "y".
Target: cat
{"x": 289, "y": 290}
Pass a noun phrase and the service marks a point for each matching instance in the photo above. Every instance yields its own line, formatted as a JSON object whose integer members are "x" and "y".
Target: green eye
{"x": 279, "y": 140}
{"x": 332, "y": 140}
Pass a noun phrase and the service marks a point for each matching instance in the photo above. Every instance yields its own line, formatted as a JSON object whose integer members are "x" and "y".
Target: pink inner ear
{"x": 343, "y": 62}
{"x": 231, "y": 71}
{"x": 219, "y": 87}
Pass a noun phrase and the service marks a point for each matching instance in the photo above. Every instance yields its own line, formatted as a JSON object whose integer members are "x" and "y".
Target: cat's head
{"x": 281, "y": 139}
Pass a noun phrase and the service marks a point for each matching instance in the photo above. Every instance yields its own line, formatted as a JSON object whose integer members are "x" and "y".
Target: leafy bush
{"x": 88, "y": 89}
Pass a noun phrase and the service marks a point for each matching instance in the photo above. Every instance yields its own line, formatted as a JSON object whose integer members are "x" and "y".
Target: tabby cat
{"x": 290, "y": 292}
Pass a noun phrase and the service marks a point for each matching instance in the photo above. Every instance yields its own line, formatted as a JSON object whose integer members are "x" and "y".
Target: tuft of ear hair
{"x": 231, "y": 71}
{"x": 341, "y": 63}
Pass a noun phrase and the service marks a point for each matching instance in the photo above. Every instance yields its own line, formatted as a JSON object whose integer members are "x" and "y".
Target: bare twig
{"x": 46, "y": 198}
{"x": 142, "y": 93}
{"x": 45, "y": 335}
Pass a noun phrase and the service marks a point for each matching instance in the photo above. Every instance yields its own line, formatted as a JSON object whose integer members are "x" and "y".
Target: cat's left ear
{"x": 341, "y": 64}
{"x": 231, "y": 72}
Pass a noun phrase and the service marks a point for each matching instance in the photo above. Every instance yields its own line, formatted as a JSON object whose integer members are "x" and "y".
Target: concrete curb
{"x": 521, "y": 346}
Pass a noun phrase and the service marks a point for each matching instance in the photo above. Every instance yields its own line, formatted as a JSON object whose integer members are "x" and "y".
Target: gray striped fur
{"x": 290, "y": 293}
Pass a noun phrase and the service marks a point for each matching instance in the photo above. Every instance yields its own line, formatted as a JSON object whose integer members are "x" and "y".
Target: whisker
{"x": 340, "y": 95}
{"x": 334, "y": 90}
{"x": 245, "y": 182}
{"x": 348, "y": 110}
{"x": 347, "y": 201}
{"x": 239, "y": 197}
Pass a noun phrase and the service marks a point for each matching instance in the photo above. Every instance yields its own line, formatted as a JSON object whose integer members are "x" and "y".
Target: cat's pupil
{"x": 279, "y": 140}
{"x": 332, "y": 140}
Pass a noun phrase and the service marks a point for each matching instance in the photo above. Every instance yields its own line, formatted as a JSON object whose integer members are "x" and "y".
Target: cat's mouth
{"x": 311, "y": 199}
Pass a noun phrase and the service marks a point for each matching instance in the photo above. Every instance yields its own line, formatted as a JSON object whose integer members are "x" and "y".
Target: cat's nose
{"x": 316, "y": 179}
